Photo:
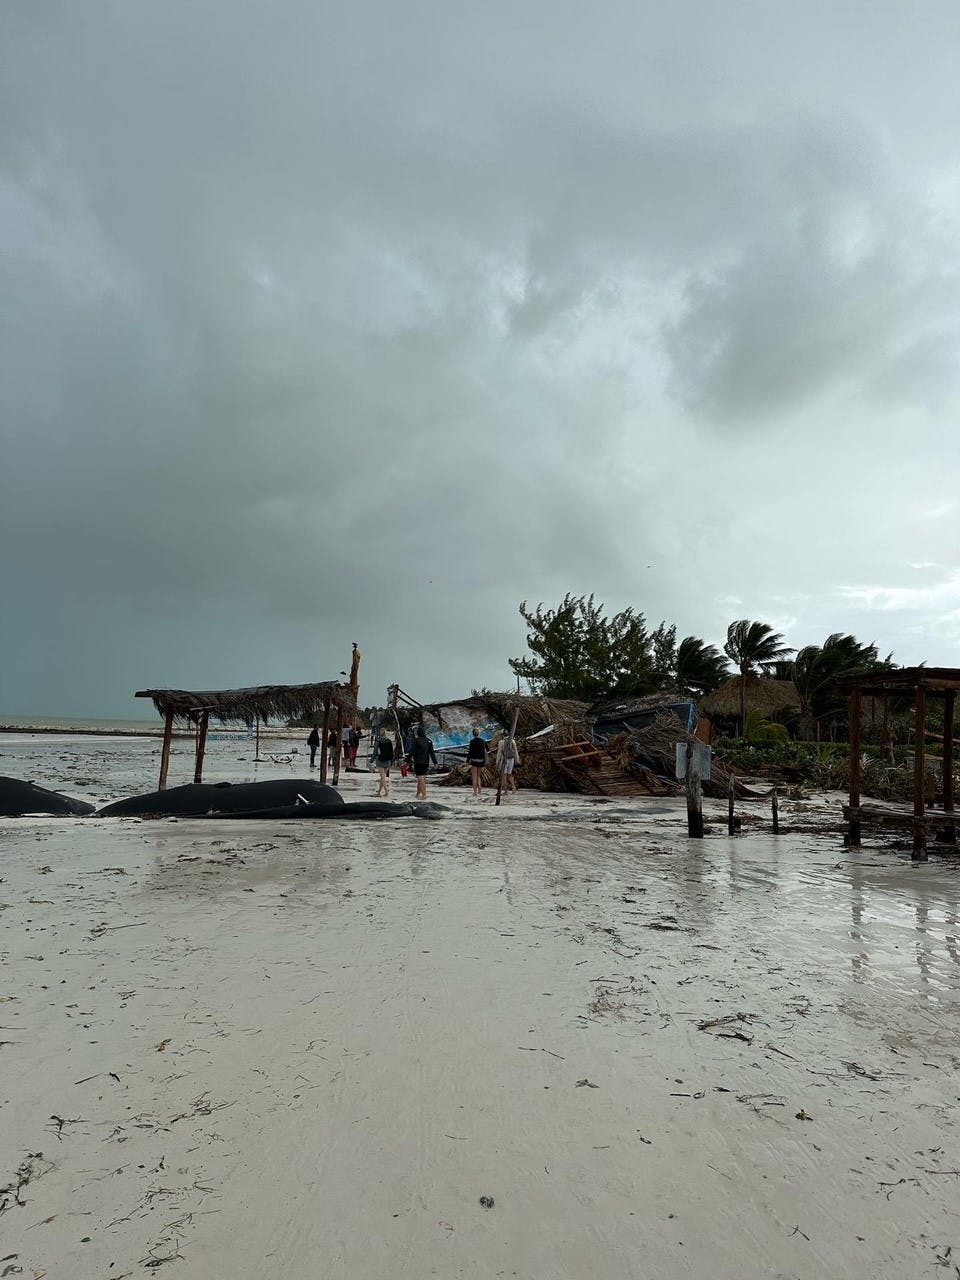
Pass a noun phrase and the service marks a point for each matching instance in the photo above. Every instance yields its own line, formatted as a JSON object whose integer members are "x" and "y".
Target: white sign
{"x": 703, "y": 756}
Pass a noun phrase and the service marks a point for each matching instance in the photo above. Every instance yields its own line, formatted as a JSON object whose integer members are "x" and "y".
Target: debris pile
{"x": 567, "y": 756}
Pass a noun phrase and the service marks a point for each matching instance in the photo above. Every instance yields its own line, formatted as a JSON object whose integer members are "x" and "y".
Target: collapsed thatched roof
{"x": 760, "y": 694}
{"x": 536, "y": 713}
{"x": 268, "y": 701}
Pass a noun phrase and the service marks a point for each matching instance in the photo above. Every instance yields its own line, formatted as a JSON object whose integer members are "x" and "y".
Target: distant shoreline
{"x": 146, "y": 732}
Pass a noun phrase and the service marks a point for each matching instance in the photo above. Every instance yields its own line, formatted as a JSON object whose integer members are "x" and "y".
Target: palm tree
{"x": 753, "y": 647}
{"x": 698, "y": 667}
{"x": 817, "y": 668}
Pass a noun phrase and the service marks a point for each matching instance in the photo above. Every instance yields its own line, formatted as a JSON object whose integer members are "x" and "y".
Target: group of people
{"x": 418, "y": 754}
{"x": 351, "y": 744}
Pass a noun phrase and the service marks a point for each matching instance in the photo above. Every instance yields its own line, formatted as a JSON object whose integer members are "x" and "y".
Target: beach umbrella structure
{"x": 328, "y": 699}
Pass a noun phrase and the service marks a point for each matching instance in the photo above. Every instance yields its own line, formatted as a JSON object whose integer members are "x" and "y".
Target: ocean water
{"x": 77, "y": 724}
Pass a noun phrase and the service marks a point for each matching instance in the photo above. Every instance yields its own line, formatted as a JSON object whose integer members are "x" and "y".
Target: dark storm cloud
{"x": 319, "y": 325}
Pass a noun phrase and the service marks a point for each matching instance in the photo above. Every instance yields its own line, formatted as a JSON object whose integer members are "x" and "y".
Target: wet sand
{"x": 289, "y": 1049}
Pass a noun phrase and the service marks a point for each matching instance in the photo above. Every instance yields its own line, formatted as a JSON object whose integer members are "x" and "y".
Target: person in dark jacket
{"x": 313, "y": 742}
{"x": 476, "y": 759}
{"x": 420, "y": 756}
{"x": 384, "y": 761}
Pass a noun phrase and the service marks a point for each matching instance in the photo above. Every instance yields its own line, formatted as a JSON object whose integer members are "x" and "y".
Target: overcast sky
{"x": 367, "y": 321}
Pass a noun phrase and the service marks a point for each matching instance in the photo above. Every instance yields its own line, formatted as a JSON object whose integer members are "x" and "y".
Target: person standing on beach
{"x": 477, "y": 759}
{"x": 331, "y": 747}
{"x": 384, "y": 761}
{"x": 420, "y": 757}
{"x": 355, "y": 736}
{"x": 508, "y": 759}
{"x": 313, "y": 742}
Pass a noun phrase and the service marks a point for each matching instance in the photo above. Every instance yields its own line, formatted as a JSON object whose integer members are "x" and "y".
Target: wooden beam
{"x": 948, "y": 713}
{"x": 694, "y": 792}
{"x": 338, "y": 750}
{"x": 165, "y": 752}
{"x": 323, "y": 739}
{"x": 919, "y": 766}
{"x": 853, "y": 825}
{"x": 201, "y": 745}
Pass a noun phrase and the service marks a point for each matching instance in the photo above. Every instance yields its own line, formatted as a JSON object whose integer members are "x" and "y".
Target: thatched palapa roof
{"x": 760, "y": 694}
{"x": 268, "y": 701}
{"x": 535, "y": 713}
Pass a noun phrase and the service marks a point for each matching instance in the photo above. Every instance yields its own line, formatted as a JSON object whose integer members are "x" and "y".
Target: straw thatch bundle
{"x": 759, "y": 694}
{"x": 535, "y": 713}
{"x": 268, "y": 701}
{"x": 540, "y": 765}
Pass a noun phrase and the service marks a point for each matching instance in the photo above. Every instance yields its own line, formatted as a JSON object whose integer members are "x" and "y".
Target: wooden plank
{"x": 338, "y": 750}
{"x": 201, "y": 745}
{"x": 165, "y": 752}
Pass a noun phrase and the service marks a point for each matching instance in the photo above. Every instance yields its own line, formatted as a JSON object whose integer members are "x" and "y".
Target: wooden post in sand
{"x": 323, "y": 740}
{"x": 775, "y": 811}
{"x": 256, "y": 750}
{"x": 948, "y": 710}
{"x": 694, "y": 794}
{"x": 165, "y": 751}
{"x": 853, "y": 824}
{"x": 201, "y": 745}
{"x": 731, "y": 793}
{"x": 503, "y": 762}
{"x": 919, "y": 762}
{"x": 338, "y": 749}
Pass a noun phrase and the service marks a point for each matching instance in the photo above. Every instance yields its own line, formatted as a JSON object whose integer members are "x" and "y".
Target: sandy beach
{"x": 551, "y": 1040}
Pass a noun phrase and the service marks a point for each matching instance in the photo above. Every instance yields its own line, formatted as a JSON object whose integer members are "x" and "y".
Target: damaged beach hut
{"x": 328, "y": 702}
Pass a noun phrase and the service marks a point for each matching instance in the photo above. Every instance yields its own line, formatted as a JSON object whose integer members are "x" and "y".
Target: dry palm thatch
{"x": 758, "y": 693}
{"x": 535, "y": 713}
{"x": 268, "y": 701}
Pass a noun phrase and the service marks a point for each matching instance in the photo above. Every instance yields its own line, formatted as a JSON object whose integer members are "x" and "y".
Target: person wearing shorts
{"x": 384, "y": 761}
{"x": 508, "y": 758}
{"x": 476, "y": 759}
{"x": 420, "y": 756}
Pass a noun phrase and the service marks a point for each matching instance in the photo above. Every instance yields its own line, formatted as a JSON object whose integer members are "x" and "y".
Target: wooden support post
{"x": 323, "y": 740}
{"x": 775, "y": 811}
{"x": 948, "y": 711}
{"x": 853, "y": 824}
{"x": 886, "y": 743}
{"x": 338, "y": 749}
{"x": 694, "y": 795}
{"x": 731, "y": 794}
{"x": 201, "y": 745}
{"x": 256, "y": 752}
{"x": 503, "y": 763}
{"x": 919, "y": 800}
{"x": 165, "y": 752}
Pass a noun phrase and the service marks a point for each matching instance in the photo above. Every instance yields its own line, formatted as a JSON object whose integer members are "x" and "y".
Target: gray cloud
{"x": 318, "y": 326}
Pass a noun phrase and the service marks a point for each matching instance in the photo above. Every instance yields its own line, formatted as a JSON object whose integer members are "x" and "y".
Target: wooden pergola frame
{"x": 263, "y": 702}
{"x": 919, "y": 684}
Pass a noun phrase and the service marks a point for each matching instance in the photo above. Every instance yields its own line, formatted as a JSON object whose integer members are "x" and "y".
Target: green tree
{"x": 816, "y": 670}
{"x": 698, "y": 667}
{"x": 663, "y": 648}
{"x": 578, "y": 652}
{"x": 753, "y": 647}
